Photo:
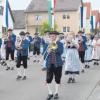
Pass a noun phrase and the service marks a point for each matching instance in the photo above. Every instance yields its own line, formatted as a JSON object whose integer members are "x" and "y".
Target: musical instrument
{"x": 5, "y": 36}
{"x": 18, "y": 43}
{"x": 53, "y": 46}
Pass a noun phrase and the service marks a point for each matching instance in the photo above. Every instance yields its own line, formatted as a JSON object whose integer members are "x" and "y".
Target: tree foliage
{"x": 46, "y": 27}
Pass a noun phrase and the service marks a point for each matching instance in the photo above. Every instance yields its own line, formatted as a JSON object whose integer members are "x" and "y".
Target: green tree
{"x": 46, "y": 27}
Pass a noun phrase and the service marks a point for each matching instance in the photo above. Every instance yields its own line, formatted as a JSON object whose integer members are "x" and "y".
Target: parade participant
{"x": 22, "y": 54}
{"x": 96, "y": 50}
{"x": 42, "y": 44}
{"x": 82, "y": 47}
{"x": 0, "y": 47}
{"x": 36, "y": 47}
{"x": 53, "y": 63}
{"x": 3, "y": 50}
{"x": 30, "y": 39}
{"x": 72, "y": 61}
{"x": 10, "y": 48}
{"x": 88, "y": 52}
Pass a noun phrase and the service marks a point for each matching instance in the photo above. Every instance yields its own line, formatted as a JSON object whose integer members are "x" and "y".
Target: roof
{"x": 19, "y": 17}
{"x": 61, "y": 5}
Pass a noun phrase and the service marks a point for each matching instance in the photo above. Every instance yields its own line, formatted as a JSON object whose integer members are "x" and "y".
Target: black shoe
{"x": 86, "y": 66}
{"x": 56, "y": 96}
{"x": 8, "y": 68}
{"x": 69, "y": 80}
{"x": 50, "y": 96}
{"x": 83, "y": 71}
{"x": 4, "y": 64}
{"x": 38, "y": 61}
{"x": 24, "y": 78}
{"x": 18, "y": 77}
{"x": 34, "y": 61}
{"x": 73, "y": 80}
{"x": 94, "y": 63}
{"x": 43, "y": 69}
{"x": 12, "y": 68}
{"x": 97, "y": 63}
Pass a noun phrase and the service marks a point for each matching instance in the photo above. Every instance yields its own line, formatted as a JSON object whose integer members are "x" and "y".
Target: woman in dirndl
{"x": 96, "y": 50}
{"x": 88, "y": 52}
{"x": 72, "y": 61}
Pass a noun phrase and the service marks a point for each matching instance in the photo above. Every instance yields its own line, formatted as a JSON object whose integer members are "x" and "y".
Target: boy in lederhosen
{"x": 54, "y": 64}
{"x": 22, "y": 54}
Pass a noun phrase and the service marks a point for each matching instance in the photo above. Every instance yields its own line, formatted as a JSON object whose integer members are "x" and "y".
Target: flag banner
{"x": 92, "y": 24}
{"x": 81, "y": 11}
{"x": 51, "y": 4}
{"x": 5, "y": 14}
{"x": 49, "y": 13}
{"x": 54, "y": 3}
{"x": 52, "y": 12}
{"x": 84, "y": 17}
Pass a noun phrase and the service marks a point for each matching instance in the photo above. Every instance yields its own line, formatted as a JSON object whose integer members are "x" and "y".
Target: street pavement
{"x": 87, "y": 86}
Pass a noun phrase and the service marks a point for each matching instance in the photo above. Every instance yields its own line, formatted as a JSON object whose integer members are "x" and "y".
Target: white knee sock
{"x": 18, "y": 72}
{"x": 74, "y": 76}
{"x": 49, "y": 88}
{"x": 56, "y": 88}
{"x": 82, "y": 66}
{"x": 24, "y": 72}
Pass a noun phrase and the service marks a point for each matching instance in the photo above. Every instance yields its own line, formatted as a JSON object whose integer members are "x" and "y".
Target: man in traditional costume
{"x": 54, "y": 64}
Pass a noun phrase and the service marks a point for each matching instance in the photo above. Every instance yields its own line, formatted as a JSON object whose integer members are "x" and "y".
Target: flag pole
{"x": 52, "y": 13}
{"x": 49, "y": 14}
{"x": 6, "y": 15}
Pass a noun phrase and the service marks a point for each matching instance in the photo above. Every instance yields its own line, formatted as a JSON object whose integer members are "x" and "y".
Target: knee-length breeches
{"x": 54, "y": 72}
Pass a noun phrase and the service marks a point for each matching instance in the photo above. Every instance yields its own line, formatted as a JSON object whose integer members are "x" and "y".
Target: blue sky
{"x": 22, "y": 4}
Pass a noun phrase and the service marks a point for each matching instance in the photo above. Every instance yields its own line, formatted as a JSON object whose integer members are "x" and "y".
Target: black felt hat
{"x": 10, "y": 29}
{"x": 80, "y": 32}
{"x": 36, "y": 34}
{"x": 54, "y": 32}
{"x": 27, "y": 33}
{"x": 22, "y": 33}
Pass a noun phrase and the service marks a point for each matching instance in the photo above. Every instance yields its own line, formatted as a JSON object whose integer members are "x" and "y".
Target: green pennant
{"x": 49, "y": 13}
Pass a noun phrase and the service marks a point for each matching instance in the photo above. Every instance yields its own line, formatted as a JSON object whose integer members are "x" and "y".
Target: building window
{"x": 38, "y": 18}
{"x": 1, "y": 10}
{"x": 64, "y": 29}
{"x": 68, "y": 16}
{"x": 68, "y": 29}
{"x": 64, "y": 16}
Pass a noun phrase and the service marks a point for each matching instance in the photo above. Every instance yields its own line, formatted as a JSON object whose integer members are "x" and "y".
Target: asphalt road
{"x": 87, "y": 86}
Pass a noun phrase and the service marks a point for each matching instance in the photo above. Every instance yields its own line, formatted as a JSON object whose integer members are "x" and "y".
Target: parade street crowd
{"x": 55, "y": 52}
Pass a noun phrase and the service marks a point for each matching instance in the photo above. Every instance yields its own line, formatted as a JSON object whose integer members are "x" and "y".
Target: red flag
{"x": 54, "y": 3}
